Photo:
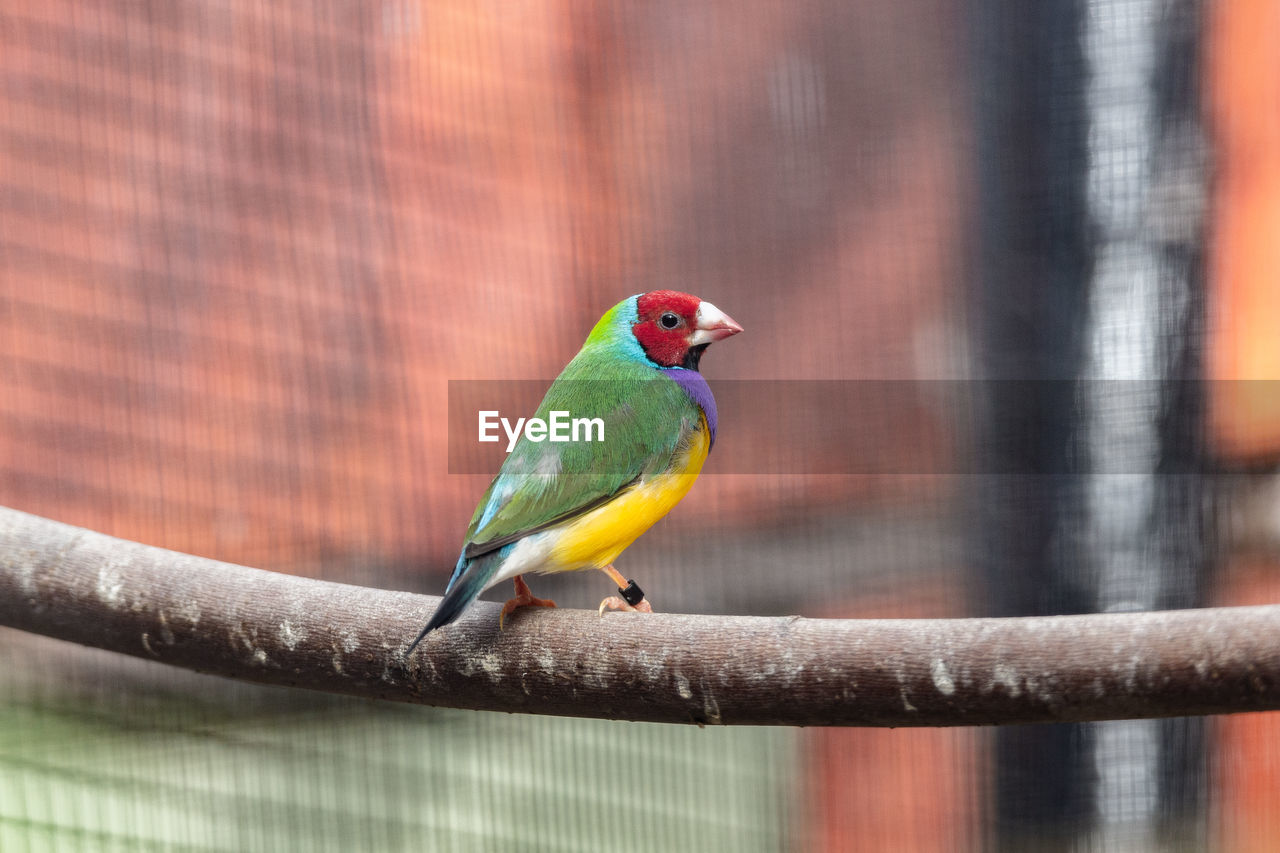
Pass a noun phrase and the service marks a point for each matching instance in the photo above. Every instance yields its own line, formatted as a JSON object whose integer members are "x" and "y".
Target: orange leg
{"x": 615, "y": 603}
{"x": 524, "y": 598}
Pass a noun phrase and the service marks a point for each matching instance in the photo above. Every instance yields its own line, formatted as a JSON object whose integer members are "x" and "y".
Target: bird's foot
{"x": 615, "y": 603}
{"x": 524, "y": 598}
{"x": 632, "y": 596}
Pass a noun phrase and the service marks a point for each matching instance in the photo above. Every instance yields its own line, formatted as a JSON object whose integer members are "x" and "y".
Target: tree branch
{"x": 254, "y": 625}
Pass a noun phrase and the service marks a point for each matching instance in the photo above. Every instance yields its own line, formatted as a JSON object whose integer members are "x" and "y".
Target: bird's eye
{"x": 669, "y": 320}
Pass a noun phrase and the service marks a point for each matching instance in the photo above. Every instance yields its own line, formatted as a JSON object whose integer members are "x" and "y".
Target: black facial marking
{"x": 693, "y": 356}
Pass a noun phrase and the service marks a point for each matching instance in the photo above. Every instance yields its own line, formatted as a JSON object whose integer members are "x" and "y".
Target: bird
{"x": 576, "y": 505}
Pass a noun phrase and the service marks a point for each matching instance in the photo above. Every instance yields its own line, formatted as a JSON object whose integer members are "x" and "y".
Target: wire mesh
{"x": 246, "y": 248}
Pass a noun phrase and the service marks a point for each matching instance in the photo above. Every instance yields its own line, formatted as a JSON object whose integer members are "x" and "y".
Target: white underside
{"x": 531, "y": 554}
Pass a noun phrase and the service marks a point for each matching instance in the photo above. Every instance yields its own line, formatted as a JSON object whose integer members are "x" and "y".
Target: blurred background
{"x": 1028, "y": 252}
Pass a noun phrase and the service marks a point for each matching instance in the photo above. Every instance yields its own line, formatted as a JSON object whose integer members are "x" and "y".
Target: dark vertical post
{"x": 1180, "y": 522}
{"x": 1031, "y": 304}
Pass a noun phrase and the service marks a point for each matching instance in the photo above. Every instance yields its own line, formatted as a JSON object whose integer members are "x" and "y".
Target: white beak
{"x": 712, "y": 325}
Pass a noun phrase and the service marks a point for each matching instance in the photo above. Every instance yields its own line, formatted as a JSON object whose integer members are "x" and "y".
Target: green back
{"x": 648, "y": 422}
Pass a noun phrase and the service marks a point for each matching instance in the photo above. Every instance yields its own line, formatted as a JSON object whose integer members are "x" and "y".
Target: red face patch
{"x": 666, "y": 320}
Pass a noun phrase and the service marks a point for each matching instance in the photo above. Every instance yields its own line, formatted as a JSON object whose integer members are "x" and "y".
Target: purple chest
{"x": 699, "y": 391}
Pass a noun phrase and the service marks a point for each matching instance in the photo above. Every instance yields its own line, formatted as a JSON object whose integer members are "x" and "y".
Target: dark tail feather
{"x": 458, "y": 597}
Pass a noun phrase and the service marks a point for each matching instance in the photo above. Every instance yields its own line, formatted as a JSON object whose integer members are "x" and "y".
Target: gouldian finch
{"x": 572, "y": 505}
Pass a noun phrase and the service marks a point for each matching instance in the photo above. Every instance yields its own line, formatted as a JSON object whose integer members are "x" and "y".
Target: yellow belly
{"x": 596, "y": 539}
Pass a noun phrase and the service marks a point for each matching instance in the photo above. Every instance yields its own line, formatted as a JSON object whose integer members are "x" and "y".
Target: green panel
{"x": 161, "y": 759}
